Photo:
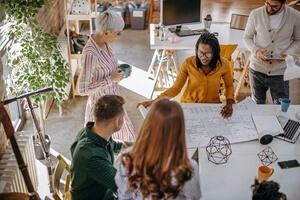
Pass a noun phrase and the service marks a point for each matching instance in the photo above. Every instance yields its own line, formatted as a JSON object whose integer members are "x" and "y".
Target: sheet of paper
{"x": 267, "y": 124}
{"x": 292, "y": 71}
{"x": 204, "y": 121}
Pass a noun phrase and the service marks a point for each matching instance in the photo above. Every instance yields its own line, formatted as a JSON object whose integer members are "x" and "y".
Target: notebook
{"x": 268, "y": 124}
{"x": 291, "y": 129}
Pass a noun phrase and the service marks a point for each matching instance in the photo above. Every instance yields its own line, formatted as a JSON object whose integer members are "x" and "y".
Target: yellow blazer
{"x": 202, "y": 88}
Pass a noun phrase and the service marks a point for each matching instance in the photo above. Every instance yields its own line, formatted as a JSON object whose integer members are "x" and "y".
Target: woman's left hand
{"x": 117, "y": 75}
{"x": 227, "y": 109}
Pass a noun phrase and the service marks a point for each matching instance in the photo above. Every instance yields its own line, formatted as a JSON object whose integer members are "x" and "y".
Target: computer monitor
{"x": 177, "y": 12}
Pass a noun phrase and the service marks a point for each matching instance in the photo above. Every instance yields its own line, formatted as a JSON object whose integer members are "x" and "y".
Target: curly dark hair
{"x": 158, "y": 164}
{"x": 108, "y": 107}
{"x": 267, "y": 190}
{"x": 211, "y": 40}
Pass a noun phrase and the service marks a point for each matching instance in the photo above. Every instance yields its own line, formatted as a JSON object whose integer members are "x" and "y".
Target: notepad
{"x": 267, "y": 124}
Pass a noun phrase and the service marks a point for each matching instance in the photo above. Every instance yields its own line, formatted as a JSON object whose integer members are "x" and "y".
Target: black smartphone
{"x": 288, "y": 164}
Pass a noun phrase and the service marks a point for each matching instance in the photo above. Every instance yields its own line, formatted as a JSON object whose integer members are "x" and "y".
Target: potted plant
{"x": 33, "y": 55}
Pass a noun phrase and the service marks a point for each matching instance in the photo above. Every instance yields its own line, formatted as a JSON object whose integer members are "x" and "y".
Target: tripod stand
{"x": 9, "y": 130}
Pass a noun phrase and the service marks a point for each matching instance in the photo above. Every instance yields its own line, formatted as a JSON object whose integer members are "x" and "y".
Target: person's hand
{"x": 283, "y": 56}
{"x": 261, "y": 54}
{"x": 146, "y": 103}
{"x": 117, "y": 75}
{"x": 227, "y": 109}
{"x": 125, "y": 145}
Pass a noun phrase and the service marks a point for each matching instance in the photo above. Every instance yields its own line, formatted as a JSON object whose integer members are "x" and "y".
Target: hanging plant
{"x": 33, "y": 54}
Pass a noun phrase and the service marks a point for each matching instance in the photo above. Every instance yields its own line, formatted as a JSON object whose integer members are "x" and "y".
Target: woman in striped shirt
{"x": 100, "y": 71}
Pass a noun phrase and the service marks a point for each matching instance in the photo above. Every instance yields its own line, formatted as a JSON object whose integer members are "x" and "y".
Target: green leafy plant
{"x": 33, "y": 54}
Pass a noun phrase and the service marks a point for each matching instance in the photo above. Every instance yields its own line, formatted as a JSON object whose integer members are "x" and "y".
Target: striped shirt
{"x": 95, "y": 81}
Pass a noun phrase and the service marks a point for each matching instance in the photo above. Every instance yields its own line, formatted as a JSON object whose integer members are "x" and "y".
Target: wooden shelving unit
{"x": 74, "y": 22}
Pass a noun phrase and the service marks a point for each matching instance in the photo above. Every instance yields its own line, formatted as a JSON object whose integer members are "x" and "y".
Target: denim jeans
{"x": 260, "y": 83}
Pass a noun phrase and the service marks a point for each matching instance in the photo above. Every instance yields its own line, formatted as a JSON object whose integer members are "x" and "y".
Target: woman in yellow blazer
{"x": 203, "y": 73}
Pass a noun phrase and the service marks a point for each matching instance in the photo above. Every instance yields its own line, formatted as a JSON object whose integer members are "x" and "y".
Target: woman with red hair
{"x": 157, "y": 166}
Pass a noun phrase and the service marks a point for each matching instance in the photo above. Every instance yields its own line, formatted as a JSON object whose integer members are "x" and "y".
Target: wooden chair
{"x": 59, "y": 170}
{"x": 14, "y": 196}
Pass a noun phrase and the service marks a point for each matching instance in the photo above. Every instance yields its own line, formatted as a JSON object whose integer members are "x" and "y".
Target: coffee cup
{"x": 285, "y": 104}
{"x": 264, "y": 172}
{"x": 126, "y": 69}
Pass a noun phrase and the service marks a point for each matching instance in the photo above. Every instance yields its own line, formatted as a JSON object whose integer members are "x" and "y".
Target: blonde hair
{"x": 109, "y": 21}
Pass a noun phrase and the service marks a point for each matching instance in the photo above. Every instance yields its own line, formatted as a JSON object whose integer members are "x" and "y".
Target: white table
{"x": 163, "y": 48}
{"x": 226, "y": 36}
{"x": 233, "y": 179}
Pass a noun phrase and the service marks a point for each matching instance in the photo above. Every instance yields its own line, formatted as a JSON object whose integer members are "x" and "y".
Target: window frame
{"x": 20, "y": 120}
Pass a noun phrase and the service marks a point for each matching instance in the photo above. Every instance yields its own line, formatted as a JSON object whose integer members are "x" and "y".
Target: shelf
{"x": 79, "y": 17}
{"x": 75, "y": 56}
{"x": 80, "y": 28}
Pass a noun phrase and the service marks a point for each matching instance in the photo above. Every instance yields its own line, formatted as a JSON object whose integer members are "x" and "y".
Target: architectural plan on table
{"x": 203, "y": 121}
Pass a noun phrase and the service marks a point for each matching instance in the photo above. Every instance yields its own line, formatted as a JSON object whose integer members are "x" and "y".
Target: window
{"x": 15, "y": 109}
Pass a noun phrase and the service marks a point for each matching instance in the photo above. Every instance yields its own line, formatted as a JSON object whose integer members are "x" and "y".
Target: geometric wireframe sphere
{"x": 218, "y": 150}
{"x": 267, "y": 156}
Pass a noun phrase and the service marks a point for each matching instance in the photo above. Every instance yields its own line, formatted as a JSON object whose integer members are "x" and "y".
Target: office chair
{"x": 14, "y": 196}
{"x": 226, "y": 52}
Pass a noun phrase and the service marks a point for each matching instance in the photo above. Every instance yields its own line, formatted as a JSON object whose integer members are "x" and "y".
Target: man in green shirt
{"x": 93, "y": 152}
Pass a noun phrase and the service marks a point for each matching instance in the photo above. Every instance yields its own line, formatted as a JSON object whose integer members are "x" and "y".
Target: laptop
{"x": 291, "y": 129}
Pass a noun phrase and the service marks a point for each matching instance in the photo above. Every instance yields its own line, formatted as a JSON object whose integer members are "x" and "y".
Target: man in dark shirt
{"x": 93, "y": 152}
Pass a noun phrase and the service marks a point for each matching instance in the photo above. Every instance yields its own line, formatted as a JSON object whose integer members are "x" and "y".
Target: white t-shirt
{"x": 275, "y": 20}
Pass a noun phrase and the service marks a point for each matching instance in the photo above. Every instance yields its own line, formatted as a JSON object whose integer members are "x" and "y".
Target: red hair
{"x": 158, "y": 164}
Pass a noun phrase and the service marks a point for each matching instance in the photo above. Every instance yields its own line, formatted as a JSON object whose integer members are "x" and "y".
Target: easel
{"x": 242, "y": 78}
{"x": 164, "y": 75}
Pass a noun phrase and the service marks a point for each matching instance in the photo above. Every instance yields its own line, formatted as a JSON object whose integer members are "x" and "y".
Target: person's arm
{"x": 124, "y": 193}
{"x": 102, "y": 171}
{"x": 92, "y": 75}
{"x": 294, "y": 48}
{"x": 249, "y": 34}
{"x": 174, "y": 90}
{"x": 191, "y": 188}
{"x": 179, "y": 83}
{"x": 229, "y": 89}
{"x": 228, "y": 80}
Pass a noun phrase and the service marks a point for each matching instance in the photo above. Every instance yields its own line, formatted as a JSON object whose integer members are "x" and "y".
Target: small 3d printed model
{"x": 267, "y": 156}
{"x": 218, "y": 150}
